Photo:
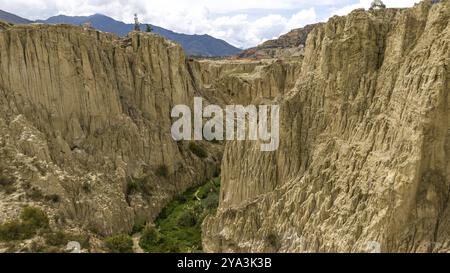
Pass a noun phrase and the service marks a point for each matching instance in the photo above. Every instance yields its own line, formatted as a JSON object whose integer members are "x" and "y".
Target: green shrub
{"x": 162, "y": 171}
{"x": 168, "y": 245}
{"x": 36, "y": 194}
{"x": 58, "y": 238}
{"x": 211, "y": 202}
{"x": 198, "y": 150}
{"x": 150, "y": 238}
{"x": 34, "y": 217}
{"x": 15, "y": 231}
{"x": 138, "y": 227}
{"x": 187, "y": 219}
{"x": 198, "y": 210}
{"x": 132, "y": 186}
{"x": 33, "y": 220}
{"x": 120, "y": 244}
{"x": 217, "y": 182}
{"x": 204, "y": 191}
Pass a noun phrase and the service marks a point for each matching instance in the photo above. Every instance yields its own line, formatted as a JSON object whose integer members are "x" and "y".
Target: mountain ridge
{"x": 12, "y": 18}
{"x": 194, "y": 45}
{"x": 287, "y": 45}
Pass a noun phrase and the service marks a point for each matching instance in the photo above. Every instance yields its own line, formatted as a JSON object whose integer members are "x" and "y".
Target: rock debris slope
{"x": 364, "y": 161}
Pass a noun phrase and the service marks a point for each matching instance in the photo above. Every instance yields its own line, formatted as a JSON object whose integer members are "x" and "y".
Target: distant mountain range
{"x": 11, "y": 18}
{"x": 194, "y": 45}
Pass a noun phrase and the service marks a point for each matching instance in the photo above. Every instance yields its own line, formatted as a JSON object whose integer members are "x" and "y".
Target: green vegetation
{"x": 14, "y": 231}
{"x": 36, "y": 194}
{"x": 60, "y": 239}
{"x": 150, "y": 237}
{"x": 211, "y": 201}
{"x": 198, "y": 150}
{"x": 178, "y": 227}
{"x": 120, "y": 244}
{"x": 32, "y": 221}
{"x": 35, "y": 217}
{"x": 187, "y": 219}
{"x": 139, "y": 226}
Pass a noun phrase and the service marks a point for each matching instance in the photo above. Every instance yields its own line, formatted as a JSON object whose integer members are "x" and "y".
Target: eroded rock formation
{"x": 364, "y": 161}
{"x": 85, "y": 116}
{"x": 245, "y": 81}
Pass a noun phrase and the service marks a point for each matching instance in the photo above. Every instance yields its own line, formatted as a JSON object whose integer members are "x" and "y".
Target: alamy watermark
{"x": 235, "y": 122}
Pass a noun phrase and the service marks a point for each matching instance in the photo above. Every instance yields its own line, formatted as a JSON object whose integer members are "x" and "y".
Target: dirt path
{"x": 136, "y": 247}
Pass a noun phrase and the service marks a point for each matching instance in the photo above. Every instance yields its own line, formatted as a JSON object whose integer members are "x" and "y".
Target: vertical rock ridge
{"x": 363, "y": 155}
{"x": 91, "y": 111}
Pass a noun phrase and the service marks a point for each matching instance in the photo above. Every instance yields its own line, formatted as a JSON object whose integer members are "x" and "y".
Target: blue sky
{"x": 243, "y": 23}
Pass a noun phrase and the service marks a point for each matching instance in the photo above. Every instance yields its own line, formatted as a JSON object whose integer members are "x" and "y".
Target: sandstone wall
{"x": 364, "y": 159}
{"x": 83, "y": 112}
{"x": 244, "y": 81}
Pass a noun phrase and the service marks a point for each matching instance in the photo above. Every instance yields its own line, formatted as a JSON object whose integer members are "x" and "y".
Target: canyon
{"x": 364, "y": 156}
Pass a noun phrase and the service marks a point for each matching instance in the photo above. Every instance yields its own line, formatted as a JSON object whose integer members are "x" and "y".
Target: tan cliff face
{"x": 365, "y": 145}
{"x": 244, "y": 82}
{"x": 83, "y": 113}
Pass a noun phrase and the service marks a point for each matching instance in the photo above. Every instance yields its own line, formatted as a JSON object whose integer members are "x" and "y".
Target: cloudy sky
{"x": 243, "y": 23}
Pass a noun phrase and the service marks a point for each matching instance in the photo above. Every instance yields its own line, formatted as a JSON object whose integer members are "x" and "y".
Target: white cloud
{"x": 241, "y": 31}
{"x": 226, "y": 19}
{"x": 302, "y": 18}
{"x": 366, "y": 4}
